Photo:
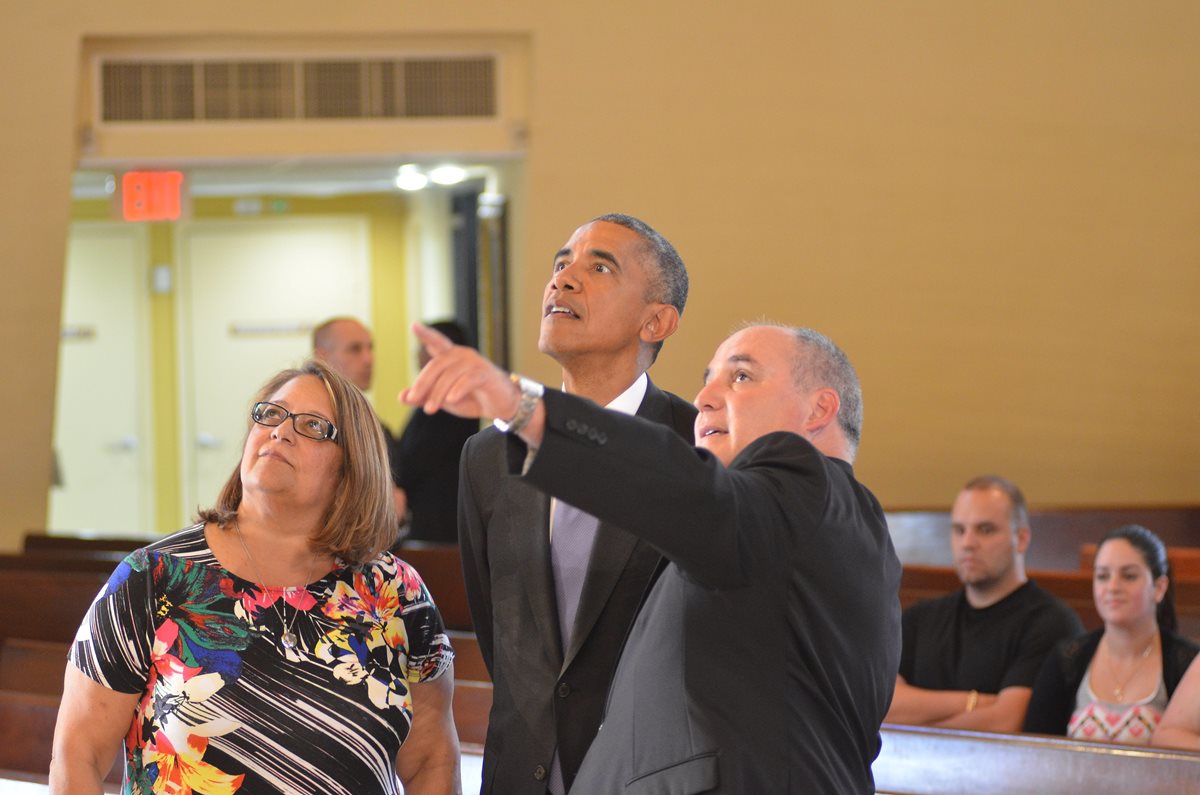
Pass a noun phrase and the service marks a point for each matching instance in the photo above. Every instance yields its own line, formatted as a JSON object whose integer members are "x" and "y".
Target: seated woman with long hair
{"x": 275, "y": 645}
{"x": 1113, "y": 684}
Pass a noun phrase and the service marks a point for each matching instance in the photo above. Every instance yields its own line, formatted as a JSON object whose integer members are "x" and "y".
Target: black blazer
{"x": 765, "y": 656}
{"x": 543, "y": 695}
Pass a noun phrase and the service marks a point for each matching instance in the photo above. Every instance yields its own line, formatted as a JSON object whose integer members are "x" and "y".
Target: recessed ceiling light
{"x": 409, "y": 177}
{"x": 448, "y": 175}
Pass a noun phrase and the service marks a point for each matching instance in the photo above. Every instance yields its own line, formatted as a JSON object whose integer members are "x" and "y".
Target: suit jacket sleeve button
{"x": 539, "y": 773}
{"x": 564, "y": 690}
{"x": 570, "y": 425}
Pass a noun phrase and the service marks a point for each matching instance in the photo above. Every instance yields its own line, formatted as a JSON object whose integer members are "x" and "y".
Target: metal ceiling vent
{"x": 221, "y": 90}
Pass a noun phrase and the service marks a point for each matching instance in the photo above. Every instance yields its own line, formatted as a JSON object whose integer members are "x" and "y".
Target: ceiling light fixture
{"x": 409, "y": 177}
{"x": 448, "y": 175}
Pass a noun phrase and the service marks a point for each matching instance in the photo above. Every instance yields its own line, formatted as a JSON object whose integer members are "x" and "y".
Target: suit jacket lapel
{"x": 611, "y": 551}
{"x": 529, "y": 521}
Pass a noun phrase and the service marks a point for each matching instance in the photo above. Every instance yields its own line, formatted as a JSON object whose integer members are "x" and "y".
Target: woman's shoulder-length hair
{"x": 360, "y": 521}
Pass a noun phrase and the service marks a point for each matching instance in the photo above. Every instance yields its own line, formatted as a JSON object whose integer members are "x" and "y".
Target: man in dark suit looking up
{"x": 764, "y": 658}
{"x": 552, "y": 591}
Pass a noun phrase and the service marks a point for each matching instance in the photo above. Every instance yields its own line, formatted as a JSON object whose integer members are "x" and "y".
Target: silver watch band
{"x": 531, "y": 393}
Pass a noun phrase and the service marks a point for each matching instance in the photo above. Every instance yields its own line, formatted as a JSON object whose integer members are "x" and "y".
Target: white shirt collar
{"x": 629, "y": 401}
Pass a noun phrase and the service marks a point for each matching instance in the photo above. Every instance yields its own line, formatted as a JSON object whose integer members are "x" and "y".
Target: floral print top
{"x": 225, "y": 707}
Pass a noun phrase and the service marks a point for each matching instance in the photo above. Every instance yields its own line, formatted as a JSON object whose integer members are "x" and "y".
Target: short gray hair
{"x": 669, "y": 280}
{"x": 821, "y": 363}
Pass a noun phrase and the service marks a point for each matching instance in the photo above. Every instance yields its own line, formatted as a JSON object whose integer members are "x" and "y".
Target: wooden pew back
{"x": 923, "y": 537}
{"x": 54, "y": 563}
{"x": 468, "y": 662}
{"x": 46, "y": 605}
{"x": 114, "y": 549}
{"x": 26, "y": 730}
{"x": 440, "y": 566}
{"x": 1073, "y": 587}
{"x": 472, "y": 706}
{"x": 33, "y": 666}
{"x": 1184, "y": 561}
{"x": 923, "y": 761}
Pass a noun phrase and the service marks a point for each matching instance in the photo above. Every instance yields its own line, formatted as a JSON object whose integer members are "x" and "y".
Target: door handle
{"x": 207, "y": 441}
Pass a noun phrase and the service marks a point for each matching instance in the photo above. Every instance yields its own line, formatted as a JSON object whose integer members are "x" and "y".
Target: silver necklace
{"x": 288, "y": 639}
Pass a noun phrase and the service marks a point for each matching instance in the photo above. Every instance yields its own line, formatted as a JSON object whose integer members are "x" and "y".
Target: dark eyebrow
{"x": 598, "y": 253}
{"x": 606, "y": 256}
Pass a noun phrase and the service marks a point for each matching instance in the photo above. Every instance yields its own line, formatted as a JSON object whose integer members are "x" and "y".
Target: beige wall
{"x": 992, "y": 206}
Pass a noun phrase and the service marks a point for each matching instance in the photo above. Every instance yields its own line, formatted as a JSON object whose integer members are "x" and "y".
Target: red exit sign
{"x": 151, "y": 195}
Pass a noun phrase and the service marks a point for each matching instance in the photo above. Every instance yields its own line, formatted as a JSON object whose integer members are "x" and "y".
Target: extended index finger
{"x": 434, "y": 341}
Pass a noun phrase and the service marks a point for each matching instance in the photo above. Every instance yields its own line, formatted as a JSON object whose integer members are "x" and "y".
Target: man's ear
{"x": 1024, "y": 536}
{"x": 823, "y": 409}
{"x": 662, "y": 323}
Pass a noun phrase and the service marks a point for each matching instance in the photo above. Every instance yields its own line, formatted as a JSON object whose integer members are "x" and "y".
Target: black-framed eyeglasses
{"x": 310, "y": 425}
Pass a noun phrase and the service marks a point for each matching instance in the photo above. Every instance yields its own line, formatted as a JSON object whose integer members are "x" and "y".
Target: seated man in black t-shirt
{"x": 969, "y": 658}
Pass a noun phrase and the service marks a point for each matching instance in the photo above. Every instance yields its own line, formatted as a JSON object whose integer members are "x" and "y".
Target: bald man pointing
{"x": 765, "y": 655}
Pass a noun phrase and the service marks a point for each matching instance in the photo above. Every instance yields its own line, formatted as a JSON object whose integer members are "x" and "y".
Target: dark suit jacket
{"x": 545, "y": 696}
{"x": 765, "y": 656}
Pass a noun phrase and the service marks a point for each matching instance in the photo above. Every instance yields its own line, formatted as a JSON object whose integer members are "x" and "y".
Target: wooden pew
{"x": 27, "y": 734}
{"x": 468, "y": 662}
{"x": 46, "y": 605}
{"x": 1073, "y": 587}
{"x": 26, "y": 730}
{"x": 52, "y": 563}
{"x": 472, "y": 705}
{"x": 33, "y": 666}
{"x": 922, "y": 537}
{"x": 1185, "y": 561}
{"x": 923, "y": 761}
{"x": 114, "y": 549}
{"x": 440, "y": 566}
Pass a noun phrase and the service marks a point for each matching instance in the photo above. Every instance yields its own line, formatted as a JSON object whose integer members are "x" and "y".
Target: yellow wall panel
{"x": 991, "y": 206}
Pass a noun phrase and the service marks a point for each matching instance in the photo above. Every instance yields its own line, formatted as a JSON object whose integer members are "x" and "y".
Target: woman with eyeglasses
{"x": 275, "y": 646}
{"x": 1112, "y": 685}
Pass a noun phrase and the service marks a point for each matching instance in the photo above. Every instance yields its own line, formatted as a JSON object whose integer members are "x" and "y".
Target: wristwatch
{"x": 531, "y": 393}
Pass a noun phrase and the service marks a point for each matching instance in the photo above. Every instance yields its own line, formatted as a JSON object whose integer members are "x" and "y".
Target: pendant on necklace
{"x": 1118, "y": 693}
{"x": 289, "y": 640}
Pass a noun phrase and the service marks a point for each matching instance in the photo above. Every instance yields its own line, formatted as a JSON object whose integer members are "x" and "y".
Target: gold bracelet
{"x": 972, "y": 700}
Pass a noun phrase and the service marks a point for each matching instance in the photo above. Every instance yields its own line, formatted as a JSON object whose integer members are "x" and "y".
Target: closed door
{"x": 102, "y": 421}
{"x": 251, "y": 293}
